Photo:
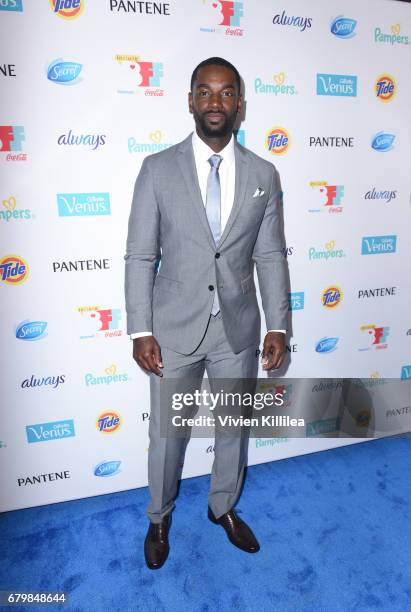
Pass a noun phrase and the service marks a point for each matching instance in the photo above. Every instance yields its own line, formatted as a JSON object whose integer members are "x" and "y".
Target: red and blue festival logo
{"x": 14, "y": 270}
{"x": 11, "y": 140}
{"x": 278, "y": 140}
{"x": 377, "y": 336}
{"x": 67, "y": 9}
{"x": 100, "y": 322}
{"x": 385, "y": 87}
{"x": 225, "y": 13}
{"x": 331, "y": 197}
{"x": 138, "y": 75}
{"x": 331, "y": 297}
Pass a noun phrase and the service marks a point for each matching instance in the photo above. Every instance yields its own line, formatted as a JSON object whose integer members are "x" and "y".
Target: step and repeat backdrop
{"x": 89, "y": 88}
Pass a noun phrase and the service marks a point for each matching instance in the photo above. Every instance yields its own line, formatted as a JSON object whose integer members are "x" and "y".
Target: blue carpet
{"x": 334, "y": 528}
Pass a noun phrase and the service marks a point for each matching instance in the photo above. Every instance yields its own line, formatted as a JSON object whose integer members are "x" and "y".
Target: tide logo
{"x": 331, "y": 297}
{"x": 278, "y": 140}
{"x": 67, "y": 9}
{"x": 377, "y": 335}
{"x": 231, "y": 12}
{"x": 108, "y": 422}
{"x": 11, "y": 137}
{"x": 14, "y": 270}
{"x": 385, "y": 87}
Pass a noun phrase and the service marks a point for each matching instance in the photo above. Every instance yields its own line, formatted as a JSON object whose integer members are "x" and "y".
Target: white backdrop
{"x": 87, "y": 92}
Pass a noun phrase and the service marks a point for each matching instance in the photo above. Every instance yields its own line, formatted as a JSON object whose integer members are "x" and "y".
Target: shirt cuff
{"x": 140, "y": 335}
{"x": 283, "y": 331}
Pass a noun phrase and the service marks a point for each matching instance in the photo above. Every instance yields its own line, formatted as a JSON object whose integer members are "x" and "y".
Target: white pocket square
{"x": 258, "y": 192}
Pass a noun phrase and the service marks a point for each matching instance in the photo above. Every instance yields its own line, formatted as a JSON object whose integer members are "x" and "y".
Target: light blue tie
{"x": 213, "y": 210}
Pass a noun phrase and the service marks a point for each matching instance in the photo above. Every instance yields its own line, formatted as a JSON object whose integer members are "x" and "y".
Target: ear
{"x": 190, "y": 102}
{"x": 240, "y": 102}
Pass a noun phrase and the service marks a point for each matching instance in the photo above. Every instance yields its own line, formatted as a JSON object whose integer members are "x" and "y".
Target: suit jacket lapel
{"x": 188, "y": 169}
{"x": 241, "y": 178}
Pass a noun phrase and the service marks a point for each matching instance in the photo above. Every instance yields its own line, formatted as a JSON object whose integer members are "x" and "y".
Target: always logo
{"x": 302, "y": 23}
{"x": 385, "y": 195}
{"x": 85, "y": 140}
{"x": 138, "y": 75}
{"x": 44, "y": 381}
{"x": 64, "y": 73}
{"x": 31, "y": 330}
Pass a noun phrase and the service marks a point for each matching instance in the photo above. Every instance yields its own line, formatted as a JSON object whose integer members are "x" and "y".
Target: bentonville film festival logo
{"x": 326, "y": 198}
{"x": 223, "y": 16}
{"x": 98, "y": 322}
{"x": 139, "y": 75}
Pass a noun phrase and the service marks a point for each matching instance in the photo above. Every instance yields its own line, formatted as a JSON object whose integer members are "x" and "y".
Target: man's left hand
{"x": 273, "y": 351}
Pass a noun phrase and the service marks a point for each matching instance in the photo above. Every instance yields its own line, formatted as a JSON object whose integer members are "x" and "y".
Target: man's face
{"x": 215, "y": 101}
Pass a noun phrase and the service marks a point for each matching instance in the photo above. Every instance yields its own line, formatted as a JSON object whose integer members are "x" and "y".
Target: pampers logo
{"x": 44, "y": 432}
{"x": 154, "y": 146}
{"x": 385, "y": 87}
{"x": 329, "y": 252}
{"x": 12, "y": 212}
{"x": 67, "y": 9}
{"x": 331, "y": 196}
{"x": 107, "y": 468}
{"x": 278, "y": 87}
{"x": 47, "y": 381}
{"x": 302, "y": 23}
{"x": 296, "y": 300}
{"x": 87, "y": 140}
{"x": 336, "y": 85}
{"x": 31, "y": 330}
{"x": 83, "y": 204}
{"x": 386, "y": 196}
{"x": 394, "y": 38}
{"x": 378, "y": 245}
{"x": 343, "y": 27}
{"x": 383, "y": 142}
{"x": 14, "y": 270}
{"x": 331, "y": 297}
{"x": 109, "y": 377}
{"x": 377, "y": 336}
{"x": 137, "y": 75}
{"x": 326, "y": 345}
{"x": 108, "y": 422}
{"x": 278, "y": 140}
{"x": 64, "y": 73}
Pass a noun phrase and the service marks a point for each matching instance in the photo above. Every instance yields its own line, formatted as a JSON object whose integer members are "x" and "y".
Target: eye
{"x": 228, "y": 93}
{"x": 203, "y": 93}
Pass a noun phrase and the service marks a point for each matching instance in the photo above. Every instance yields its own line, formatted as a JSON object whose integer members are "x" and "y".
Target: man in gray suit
{"x": 208, "y": 209}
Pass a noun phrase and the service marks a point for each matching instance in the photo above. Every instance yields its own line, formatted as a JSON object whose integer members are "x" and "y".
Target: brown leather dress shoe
{"x": 156, "y": 547}
{"x": 237, "y": 531}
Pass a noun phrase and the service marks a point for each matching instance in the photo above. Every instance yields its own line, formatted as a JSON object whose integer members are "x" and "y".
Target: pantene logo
{"x": 67, "y": 9}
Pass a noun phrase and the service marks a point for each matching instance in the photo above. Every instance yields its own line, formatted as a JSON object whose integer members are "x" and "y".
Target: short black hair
{"x": 216, "y": 61}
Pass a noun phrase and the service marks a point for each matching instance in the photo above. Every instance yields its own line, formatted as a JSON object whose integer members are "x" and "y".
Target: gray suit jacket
{"x": 168, "y": 221}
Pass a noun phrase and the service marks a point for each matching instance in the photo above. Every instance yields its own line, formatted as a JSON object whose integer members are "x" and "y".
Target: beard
{"x": 219, "y": 131}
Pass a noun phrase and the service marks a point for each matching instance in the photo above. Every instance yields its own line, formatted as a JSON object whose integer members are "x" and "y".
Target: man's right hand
{"x": 147, "y": 353}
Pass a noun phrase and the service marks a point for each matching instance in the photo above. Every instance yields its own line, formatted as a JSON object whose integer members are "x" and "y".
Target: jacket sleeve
{"x": 269, "y": 256}
{"x": 142, "y": 252}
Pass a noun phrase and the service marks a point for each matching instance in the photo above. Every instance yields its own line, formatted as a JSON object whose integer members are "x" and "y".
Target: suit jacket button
{"x": 211, "y": 287}
{"x": 217, "y": 255}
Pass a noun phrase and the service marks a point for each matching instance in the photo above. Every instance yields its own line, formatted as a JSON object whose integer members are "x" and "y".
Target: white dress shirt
{"x": 226, "y": 171}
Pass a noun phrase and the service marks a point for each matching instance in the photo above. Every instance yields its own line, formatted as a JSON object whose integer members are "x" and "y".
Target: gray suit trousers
{"x": 166, "y": 454}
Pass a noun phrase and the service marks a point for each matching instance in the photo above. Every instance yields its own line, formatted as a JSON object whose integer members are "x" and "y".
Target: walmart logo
{"x": 336, "y": 85}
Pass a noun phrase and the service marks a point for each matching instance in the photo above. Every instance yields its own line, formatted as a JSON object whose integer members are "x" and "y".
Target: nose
{"x": 215, "y": 100}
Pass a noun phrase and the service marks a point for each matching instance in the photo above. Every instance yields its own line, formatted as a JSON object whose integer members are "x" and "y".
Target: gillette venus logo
{"x": 296, "y": 300}
{"x": 336, "y": 85}
{"x": 44, "y": 432}
{"x": 378, "y": 245}
{"x": 83, "y": 204}
{"x": 87, "y": 140}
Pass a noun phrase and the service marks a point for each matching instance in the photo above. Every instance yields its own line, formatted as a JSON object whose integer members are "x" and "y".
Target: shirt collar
{"x": 203, "y": 152}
